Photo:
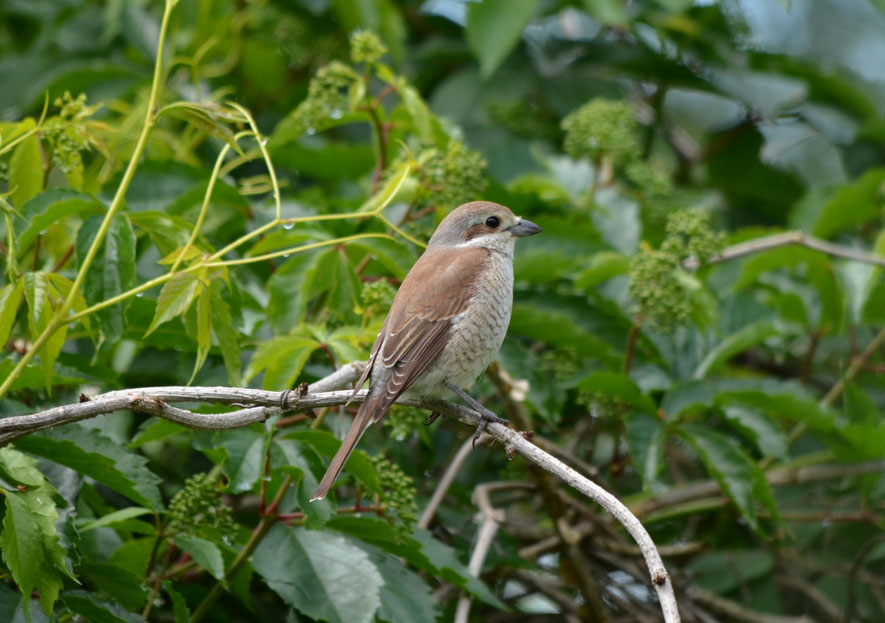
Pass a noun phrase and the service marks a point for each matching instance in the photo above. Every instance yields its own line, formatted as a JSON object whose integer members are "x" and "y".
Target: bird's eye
{"x": 493, "y": 221}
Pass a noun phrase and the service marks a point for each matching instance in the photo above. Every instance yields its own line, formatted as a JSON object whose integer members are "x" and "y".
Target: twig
{"x": 776, "y": 477}
{"x": 786, "y": 239}
{"x": 447, "y": 479}
{"x": 491, "y": 521}
{"x": 735, "y": 611}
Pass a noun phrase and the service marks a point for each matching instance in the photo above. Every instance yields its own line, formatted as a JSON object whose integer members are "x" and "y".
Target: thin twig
{"x": 786, "y": 239}
{"x": 491, "y": 521}
{"x": 447, "y": 479}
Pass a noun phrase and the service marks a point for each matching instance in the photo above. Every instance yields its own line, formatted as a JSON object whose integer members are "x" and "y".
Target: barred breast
{"x": 476, "y": 334}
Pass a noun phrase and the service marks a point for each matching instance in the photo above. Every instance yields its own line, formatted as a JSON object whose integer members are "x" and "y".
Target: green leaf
{"x": 602, "y": 267}
{"x": 851, "y": 205}
{"x": 121, "y": 584}
{"x": 156, "y": 429}
{"x": 738, "y": 476}
{"x": 208, "y": 116}
{"x": 645, "y": 438}
{"x": 205, "y": 553}
{"x": 405, "y": 597}
{"x": 180, "y": 610}
{"x": 759, "y": 428}
{"x": 609, "y": 12}
{"x": 88, "y": 452}
{"x": 175, "y": 297}
{"x": 112, "y": 271}
{"x": 281, "y": 359}
{"x": 320, "y": 574}
{"x": 26, "y": 171}
{"x": 724, "y": 571}
{"x": 325, "y": 443}
{"x": 619, "y": 387}
{"x": 226, "y": 335}
{"x": 420, "y": 550}
{"x": 494, "y": 28}
{"x": 734, "y": 344}
{"x": 245, "y": 456}
{"x": 289, "y": 455}
{"x": 204, "y": 330}
{"x": 97, "y": 611}
{"x": 29, "y": 542}
{"x": 167, "y": 231}
{"x": 51, "y": 207}
{"x": 292, "y": 287}
{"x": 111, "y": 519}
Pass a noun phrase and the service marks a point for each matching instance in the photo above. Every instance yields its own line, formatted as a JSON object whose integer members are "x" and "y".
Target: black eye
{"x": 493, "y": 221}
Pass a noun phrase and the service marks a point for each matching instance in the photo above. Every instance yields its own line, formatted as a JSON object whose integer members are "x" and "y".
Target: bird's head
{"x": 482, "y": 224}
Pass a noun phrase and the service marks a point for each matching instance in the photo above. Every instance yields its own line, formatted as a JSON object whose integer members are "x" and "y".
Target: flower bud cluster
{"x": 660, "y": 295}
{"x": 366, "y": 47}
{"x": 602, "y": 128}
{"x": 453, "y": 176}
{"x": 397, "y": 494}
{"x": 198, "y": 508}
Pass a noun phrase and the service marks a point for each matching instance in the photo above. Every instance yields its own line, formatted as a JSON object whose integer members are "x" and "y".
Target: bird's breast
{"x": 477, "y": 333}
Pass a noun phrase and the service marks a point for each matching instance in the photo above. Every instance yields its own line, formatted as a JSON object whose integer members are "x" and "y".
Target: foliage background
{"x": 736, "y": 408}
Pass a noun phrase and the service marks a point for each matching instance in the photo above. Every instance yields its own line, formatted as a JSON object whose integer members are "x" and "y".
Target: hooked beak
{"x": 524, "y": 228}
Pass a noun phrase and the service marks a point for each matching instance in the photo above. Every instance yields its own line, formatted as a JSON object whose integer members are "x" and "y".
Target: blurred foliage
{"x": 242, "y": 212}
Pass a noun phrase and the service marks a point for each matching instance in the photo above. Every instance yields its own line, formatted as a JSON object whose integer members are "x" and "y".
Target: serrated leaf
{"x": 176, "y": 296}
{"x": 37, "y": 295}
{"x": 156, "y": 429}
{"x": 96, "y": 610}
{"x": 29, "y": 542}
{"x": 10, "y": 299}
{"x": 90, "y": 453}
{"x": 180, "y": 610}
{"x": 288, "y": 453}
{"x": 51, "y": 207}
{"x": 293, "y": 285}
{"x": 620, "y": 387}
{"x": 209, "y": 117}
{"x": 320, "y": 574}
{"x": 494, "y": 27}
{"x": 358, "y": 465}
{"x": 26, "y": 171}
{"x": 281, "y": 359}
{"x": 734, "y": 344}
{"x": 205, "y": 553}
{"x": 738, "y": 476}
{"x": 204, "y": 329}
{"x": 420, "y": 550}
{"x": 405, "y": 597}
{"x": 121, "y": 584}
{"x": 112, "y": 271}
{"x": 245, "y": 456}
{"x": 167, "y": 231}
{"x": 645, "y": 438}
{"x": 226, "y": 335}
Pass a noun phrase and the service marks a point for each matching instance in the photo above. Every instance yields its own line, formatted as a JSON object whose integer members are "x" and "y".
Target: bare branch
{"x": 786, "y": 239}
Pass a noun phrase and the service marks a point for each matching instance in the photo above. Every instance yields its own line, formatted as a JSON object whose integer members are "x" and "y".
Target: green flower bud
{"x": 602, "y": 127}
{"x": 366, "y": 47}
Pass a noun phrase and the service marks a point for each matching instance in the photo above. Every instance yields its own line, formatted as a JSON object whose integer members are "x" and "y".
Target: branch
{"x": 786, "y": 239}
{"x": 154, "y": 400}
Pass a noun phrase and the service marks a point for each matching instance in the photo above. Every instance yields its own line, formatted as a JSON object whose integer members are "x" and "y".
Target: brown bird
{"x": 447, "y": 321}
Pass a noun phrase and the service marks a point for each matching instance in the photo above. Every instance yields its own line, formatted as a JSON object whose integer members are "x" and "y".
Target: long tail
{"x": 361, "y": 422}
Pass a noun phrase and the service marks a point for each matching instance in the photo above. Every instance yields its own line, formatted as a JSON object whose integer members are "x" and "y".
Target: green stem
{"x": 258, "y": 534}
{"x": 117, "y": 202}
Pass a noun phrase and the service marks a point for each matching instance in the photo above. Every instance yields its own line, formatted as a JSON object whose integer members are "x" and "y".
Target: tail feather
{"x": 361, "y": 422}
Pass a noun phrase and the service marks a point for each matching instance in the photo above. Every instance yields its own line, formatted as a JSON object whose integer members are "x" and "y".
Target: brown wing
{"x": 435, "y": 291}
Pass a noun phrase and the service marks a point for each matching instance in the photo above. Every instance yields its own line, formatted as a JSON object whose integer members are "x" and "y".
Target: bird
{"x": 447, "y": 320}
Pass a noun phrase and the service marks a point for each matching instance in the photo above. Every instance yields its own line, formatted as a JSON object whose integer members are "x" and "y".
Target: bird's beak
{"x": 524, "y": 228}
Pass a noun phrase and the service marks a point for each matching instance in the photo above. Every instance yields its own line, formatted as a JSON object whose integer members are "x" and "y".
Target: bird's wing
{"x": 436, "y": 290}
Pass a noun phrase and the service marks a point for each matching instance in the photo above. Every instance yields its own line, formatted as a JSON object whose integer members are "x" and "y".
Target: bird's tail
{"x": 361, "y": 422}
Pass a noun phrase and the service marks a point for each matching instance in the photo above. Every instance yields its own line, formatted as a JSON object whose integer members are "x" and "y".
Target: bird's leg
{"x": 485, "y": 416}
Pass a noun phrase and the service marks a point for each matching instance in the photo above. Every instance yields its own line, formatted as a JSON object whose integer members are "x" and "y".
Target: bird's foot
{"x": 433, "y": 417}
{"x": 485, "y": 416}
